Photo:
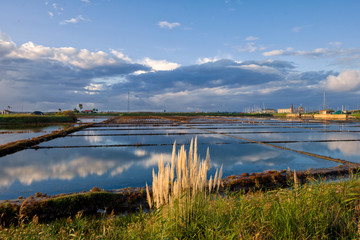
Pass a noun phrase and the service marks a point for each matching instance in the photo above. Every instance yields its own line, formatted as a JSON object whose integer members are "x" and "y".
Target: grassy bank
{"x": 34, "y": 119}
{"x": 311, "y": 211}
{"x": 356, "y": 115}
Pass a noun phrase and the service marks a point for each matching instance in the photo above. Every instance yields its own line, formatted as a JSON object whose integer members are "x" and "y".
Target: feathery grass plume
{"x": 148, "y": 196}
{"x": 191, "y": 160}
{"x": 172, "y": 170}
{"x": 191, "y": 176}
{"x": 295, "y": 180}
{"x": 219, "y": 178}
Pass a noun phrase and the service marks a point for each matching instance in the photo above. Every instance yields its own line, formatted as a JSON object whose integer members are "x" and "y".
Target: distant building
{"x": 6, "y": 112}
{"x": 268, "y": 111}
{"x": 300, "y": 109}
{"x": 286, "y": 110}
{"x": 326, "y": 111}
{"x": 87, "y": 111}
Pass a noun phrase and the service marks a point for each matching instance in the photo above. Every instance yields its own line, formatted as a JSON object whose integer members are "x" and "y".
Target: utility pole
{"x": 324, "y": 101}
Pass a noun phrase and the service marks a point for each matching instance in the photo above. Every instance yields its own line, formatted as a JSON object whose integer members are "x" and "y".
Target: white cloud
{"x": 160, "y": 65}
{"x": 54, "y": 8}
{"x": 85, "y": 1}
{"x": 139, "y": 72}
{"x": 120, "y": 55}
{"x": 80, "y": 58}
{"x": 273, "y": 53}
{"x": 77, "y": 19}
{"x": 291, "y": 52}
{"x": 87, "y": 59}
{"x": 207, "y": 60}
{"x": 251, "y": 38}
{"x": 93, "y": 87}
{"x": 168, "y": 25}
{"x": 6, "y": 45}
{"x": 345, "y": 81}
{"x": 31, "y": 51}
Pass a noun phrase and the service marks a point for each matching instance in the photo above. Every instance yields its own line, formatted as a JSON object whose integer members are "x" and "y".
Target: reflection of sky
{"x": 344, "y": 150}
{"x": 55, "y": 171}
{"x": 92, "y": 119}
{"x": 58, "y": 170}
{"x": 49, "y": 169}
{"x": 143, "y": 139}
{"x": 30, "y": 133}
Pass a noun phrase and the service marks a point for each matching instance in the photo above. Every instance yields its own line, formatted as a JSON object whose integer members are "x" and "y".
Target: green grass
{"x": 312, "y": 211}
{"x": 34, "y": 119}
{"x": 357, "y": 115}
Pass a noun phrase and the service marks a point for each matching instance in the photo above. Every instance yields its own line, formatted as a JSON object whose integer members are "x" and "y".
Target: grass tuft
{"x": 191, "y": 177}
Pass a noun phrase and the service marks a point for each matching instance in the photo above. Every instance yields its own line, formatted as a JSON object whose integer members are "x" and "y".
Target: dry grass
{"x": 190, "y": 179}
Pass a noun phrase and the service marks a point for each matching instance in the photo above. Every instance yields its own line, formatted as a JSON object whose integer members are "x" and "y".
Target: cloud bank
{"x": 37, "y": 77}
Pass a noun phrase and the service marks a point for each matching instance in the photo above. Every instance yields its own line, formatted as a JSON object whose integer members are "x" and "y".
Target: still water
{"x": 101, "y": 156}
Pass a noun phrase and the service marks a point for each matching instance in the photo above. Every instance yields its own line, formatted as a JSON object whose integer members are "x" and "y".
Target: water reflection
{"x": 93, "y": 139}
{"x": 47, "y": 170}
{"x": 266, "y": 158}
{"x": 58, "y": 170}
{"x": 346, "y": 148}
{"x": 15, "y": 133}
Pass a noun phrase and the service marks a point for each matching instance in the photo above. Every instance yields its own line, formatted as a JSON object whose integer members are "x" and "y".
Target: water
{"x": 101, "y": 156}
{"x": 12, "y": 133}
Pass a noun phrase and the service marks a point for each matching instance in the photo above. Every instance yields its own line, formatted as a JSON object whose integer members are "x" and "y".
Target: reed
{"x": 186, "y": 175}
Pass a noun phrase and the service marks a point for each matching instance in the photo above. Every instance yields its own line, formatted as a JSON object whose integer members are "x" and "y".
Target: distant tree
{"x": 80, "y": 106}
{"x": 76, "y": 111}
{"x": 94, "y": 110}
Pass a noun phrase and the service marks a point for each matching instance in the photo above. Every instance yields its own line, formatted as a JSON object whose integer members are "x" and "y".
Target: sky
{"x": 218, "y": 55}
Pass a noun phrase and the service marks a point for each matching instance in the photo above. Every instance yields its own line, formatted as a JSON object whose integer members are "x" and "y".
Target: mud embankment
{"x": 48, "y": 208}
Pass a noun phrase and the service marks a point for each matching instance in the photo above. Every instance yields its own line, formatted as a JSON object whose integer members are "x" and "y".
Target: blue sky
{"x": 223, "y": 55}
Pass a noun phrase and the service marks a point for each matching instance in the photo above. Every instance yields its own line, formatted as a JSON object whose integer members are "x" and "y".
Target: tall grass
{"x": 190, "y": 178}
{"x": 313, "y": 211}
